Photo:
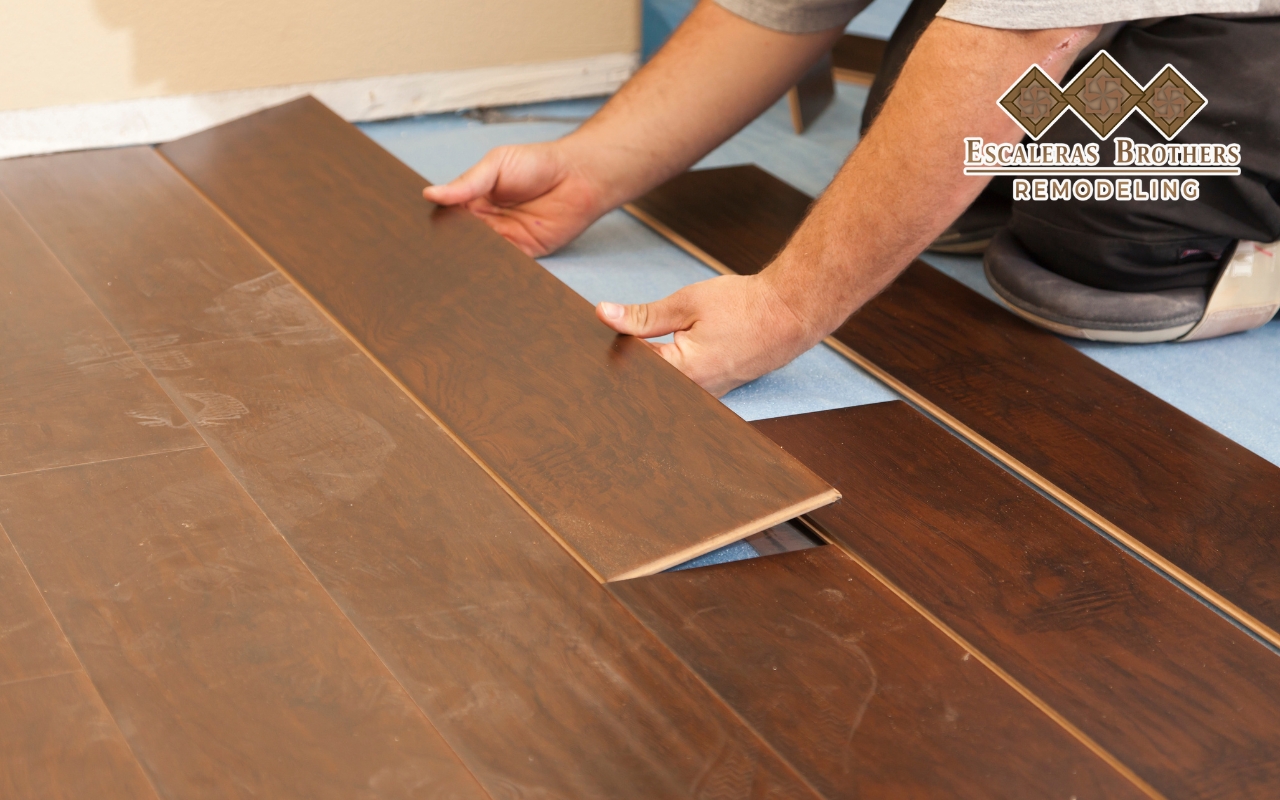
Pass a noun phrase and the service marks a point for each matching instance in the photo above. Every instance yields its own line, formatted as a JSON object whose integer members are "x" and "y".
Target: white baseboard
{"x": 159, "y": 119}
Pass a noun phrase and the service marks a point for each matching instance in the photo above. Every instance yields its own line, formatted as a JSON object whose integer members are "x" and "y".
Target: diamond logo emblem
{"x": 1170, "y": 101}
{"x": 1103, "y": 94}
{"x": 1035, "y": 102}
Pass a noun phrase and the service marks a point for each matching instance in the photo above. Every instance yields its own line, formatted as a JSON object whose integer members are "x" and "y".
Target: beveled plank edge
{"x": 1177, "y": 573}
{"x": 741, "y": 532}
{"x": 990, "y": 664}
{"x": 453, "y": 436}
{"x": 5, "y": 541}
{"x": 105, "y": 460}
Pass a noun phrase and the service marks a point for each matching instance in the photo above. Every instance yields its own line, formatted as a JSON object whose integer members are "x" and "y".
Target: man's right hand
{"x": 537, "y": 196}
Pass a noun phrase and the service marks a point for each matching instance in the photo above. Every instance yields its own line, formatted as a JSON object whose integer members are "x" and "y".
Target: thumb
{"x": 475, "y": 182}
{"x": 647, "y": 320}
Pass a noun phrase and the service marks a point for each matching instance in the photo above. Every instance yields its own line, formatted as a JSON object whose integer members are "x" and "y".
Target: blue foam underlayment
{"x": 1231, "y": 384}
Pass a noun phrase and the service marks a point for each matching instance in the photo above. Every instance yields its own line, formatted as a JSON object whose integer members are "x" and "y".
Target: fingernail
{"x": 612, "y": 311}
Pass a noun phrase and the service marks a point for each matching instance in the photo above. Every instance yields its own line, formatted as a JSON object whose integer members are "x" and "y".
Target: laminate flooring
{"x": 538, "y": 679}
{"x": 1200, "y": 506}
{"x": 630, "y": 464}
{"x": 1154, "y": 677}
{"x": 55, "y": 347}
{"x": 862, "y": 694}
{"x": 240, "y": 556}
{"x": 230, "y": 670}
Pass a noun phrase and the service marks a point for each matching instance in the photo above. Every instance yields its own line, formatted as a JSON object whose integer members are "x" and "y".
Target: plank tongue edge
{"x": 735, "y": 535}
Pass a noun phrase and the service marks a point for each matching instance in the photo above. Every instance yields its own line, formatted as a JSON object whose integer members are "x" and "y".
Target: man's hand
{"x": 728, "y": 330}
{"x": 715, "y": 74}
{"x": 900, "y": 188}
{"x": 534, "y": 195}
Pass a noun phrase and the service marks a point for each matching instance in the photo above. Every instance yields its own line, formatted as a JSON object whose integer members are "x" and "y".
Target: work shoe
{"x": 1072, "y": 309}
{"x": 1246, "y": 295}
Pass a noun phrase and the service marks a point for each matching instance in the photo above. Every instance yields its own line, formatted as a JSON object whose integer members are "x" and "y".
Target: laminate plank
{"x": 31, "y": 645}
{"x": 862, "y": 694}
{"x": 58, "y": 741}
{"x": 70, "y": 390}
{"x": 629, "y": 463}
{"x": 1186, "y": 700}
{"x": 815, "y": 91}
{"x": 856, "y": 59}
{"x": 1197, "y": 504}
{"x": 229, "y": 670}
{"x": 544, "y": 685}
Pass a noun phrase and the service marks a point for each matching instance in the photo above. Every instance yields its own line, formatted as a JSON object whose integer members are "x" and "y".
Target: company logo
{"x": 1102, "y": 95}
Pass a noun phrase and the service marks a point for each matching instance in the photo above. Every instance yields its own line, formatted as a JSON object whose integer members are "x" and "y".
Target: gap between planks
{"x": 1179, "y": 575}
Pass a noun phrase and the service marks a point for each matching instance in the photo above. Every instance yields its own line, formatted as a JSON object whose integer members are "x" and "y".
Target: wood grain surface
{"x": 856, "y": 59}
{"x": 862, "y": 694}
{"x": 70, "y": 390}
{"x": 31, "y": 645}
{"x": 230, "y": 671}
{"x": 1200, "y": 506}
{"x": 812, "y": 95}
{"x": 58, "y": 741}
{"x": 1179, "y": 695}
{"x": 544, "y": 684}
{"x": 625, "y": 460}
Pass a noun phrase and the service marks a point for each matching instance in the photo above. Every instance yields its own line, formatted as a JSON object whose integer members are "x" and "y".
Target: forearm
{"x": 716, "y": 73}
{"x": 904, "y": 183}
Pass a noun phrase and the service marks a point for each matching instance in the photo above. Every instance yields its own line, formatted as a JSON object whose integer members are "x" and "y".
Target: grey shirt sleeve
{"x": 809, "y": 16}
{"x": 796, "y": 16}
{"x": 1040, "y": 14}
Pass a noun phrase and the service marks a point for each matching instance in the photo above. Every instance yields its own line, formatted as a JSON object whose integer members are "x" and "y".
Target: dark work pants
{"x": 1151, "y": 245}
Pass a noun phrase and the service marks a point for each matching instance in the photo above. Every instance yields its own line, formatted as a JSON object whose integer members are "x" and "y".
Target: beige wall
{"x": 58, "y": 52}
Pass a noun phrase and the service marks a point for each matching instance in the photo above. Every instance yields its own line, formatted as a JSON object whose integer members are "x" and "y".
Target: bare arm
{"x": 899, "y": 189}
{"x": 716, "y": 73}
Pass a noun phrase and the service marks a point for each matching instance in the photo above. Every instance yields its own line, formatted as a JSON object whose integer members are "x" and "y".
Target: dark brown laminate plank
{"x": 856, "y": 59}
{"x": 544, "y": 685}
{"x": 862, "y": 694}
{"x": 1176, "y": 693}
{"x": 70, "y": 390}
{"x": 58, "y": 741}
{"x": 229, "y": 670}
{"x": 624, "y": 459}
{"x": 1200, "y": 506}
{"x": 31, "y": 645}
{"x": 812, "y": 95}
